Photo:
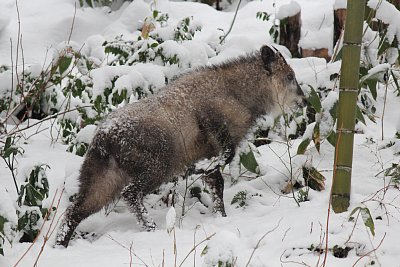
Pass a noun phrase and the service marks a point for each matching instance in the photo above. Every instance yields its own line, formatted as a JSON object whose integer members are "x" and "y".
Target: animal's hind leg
{"x": 215, "y": 181}
{"x": 84, "y": 205}
{"x": 133, "y": 195}
{"x": 98, "y": 188}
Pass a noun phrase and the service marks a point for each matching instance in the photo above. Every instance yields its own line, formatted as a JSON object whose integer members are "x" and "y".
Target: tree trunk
{"x": 339, "y": 18}
{"x": 289, "y": 33}
{"x": 348, "y": 92}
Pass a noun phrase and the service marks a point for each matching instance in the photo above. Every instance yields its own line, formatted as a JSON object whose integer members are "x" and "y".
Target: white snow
{"x": 86, "y": 134}
{"x": 389, "y": 14}
{"x": 170, "y": 219}
{"x": 340, "y": 4}
{"x": 288, "y": 10}
{"x": 292, "y": 230}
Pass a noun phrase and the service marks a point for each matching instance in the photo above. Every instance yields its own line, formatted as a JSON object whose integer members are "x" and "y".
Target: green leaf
{"x": 366, "y": 216}
{"x": 367, "y": 219}
{"x": 372, "y": 87}
{"x": 155, "y": 13}
{"x": 317, "y": 136}
{"x": 333, "y": 110}
{"x": 239, "y": 198}
{"x": 359, "y": 115}
{"x": 249, "y": 161}
{"x": 314, "y": 100}
{"x": 204, "y": 251}
{"x": 332, "y": 138}
{"x": 303, "y": 146}
{"x": 354, "y": 211}
{"x": 63, "y": 63}
{"x": 396, "y": 82}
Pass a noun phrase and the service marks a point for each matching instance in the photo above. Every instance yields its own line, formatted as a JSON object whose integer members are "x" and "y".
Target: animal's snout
{"x": 301, "y": 100}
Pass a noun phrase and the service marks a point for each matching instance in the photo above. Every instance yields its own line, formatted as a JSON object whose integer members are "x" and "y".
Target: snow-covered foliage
{"x": 78, "y": 68}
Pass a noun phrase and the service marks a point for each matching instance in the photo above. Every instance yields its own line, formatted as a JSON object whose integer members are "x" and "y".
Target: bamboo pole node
{"x": 343, "y": 168}
{"x": 354, "y": 90}
{"x": 345, "y": 131}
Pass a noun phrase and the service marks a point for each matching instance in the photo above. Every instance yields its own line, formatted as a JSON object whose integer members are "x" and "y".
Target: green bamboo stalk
{"x": 348, "y": 92}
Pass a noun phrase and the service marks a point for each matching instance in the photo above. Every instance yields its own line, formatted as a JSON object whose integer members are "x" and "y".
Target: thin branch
{"x": 72, "y": 25}
{"x": 195, "y": 247}
{"x": 45, "y": 119}
{"x": 330, "y": 202}
{"x": 259, "y": 241}
{"x": 233, "y": 21}
{"x": 129, "y": 249}
{"x": 366, "y": 254}
{"x": 40, "y": 230}
{"x": 50, "y": 230}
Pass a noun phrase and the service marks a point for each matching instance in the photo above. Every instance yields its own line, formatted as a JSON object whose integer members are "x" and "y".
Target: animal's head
{"x": 282, "y": 81}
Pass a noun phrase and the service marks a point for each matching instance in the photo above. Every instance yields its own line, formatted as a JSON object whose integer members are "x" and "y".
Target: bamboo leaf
{"x": 204, "y": 251}
{"x": 333, "y": 110}
{"x": 395, "y": 82}
{"x": 351, "y": 218}
{"x": 359, "y": 115}
{"x": 64, "y": 63}
{"x": 367, "y": 219}
{"x": 249, "y": 161}
{"x": 372, "y": 87}
{"x": 314, "y": 100}
{"x": 303, "y": 146}
{"x": 317, "y": 137}
{"x": 332, "y": 137}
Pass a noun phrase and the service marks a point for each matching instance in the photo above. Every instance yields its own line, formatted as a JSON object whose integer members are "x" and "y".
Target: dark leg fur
{"x": 77, "y": 212}
{"x": 215, "y": 181}
{"x": 133, "y": 195}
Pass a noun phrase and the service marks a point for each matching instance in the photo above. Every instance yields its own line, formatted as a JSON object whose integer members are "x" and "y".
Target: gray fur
{"x": 202, "y": 114}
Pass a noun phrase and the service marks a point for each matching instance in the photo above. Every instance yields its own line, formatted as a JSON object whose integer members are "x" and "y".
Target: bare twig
{"x": 40, "y": 230}
{"x": 175, "y": 248}
{"x": 129, "y": 249}
{"x": 259, "y": 241}
{"x": 383, "y": 109}
{"x": 14, "y": 131}
{"x": 50, "y": 230}
{"x": 72, "y": 25}
{"x": 195, "y": 247}
{"x": 329, "y": 204}
{"x": 233, "y": 22}
{"x": 373, "y": 250}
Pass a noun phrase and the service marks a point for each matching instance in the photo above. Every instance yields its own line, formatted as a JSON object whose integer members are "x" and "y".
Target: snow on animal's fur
{"x": 202, "y": 114}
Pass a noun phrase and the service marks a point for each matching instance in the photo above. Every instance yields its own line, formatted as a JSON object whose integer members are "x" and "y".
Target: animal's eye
{"x": 290, "y": 77}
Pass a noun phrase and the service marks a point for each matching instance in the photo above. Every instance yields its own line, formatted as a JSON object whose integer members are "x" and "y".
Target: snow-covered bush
{"x": 22, "y": 221}
{"x": 221, "y": 250}
{"x": 30, "y": 210}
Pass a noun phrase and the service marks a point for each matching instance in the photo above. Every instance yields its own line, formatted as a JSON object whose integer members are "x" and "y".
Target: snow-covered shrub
{"x": 323, "y": 123}
{"x": 31, "y": 194}
{"x": 157, "y": 42}
{"x": 394, "y": 173}
{"x": 21, "y": 221}
{"x": 221, "y": 250}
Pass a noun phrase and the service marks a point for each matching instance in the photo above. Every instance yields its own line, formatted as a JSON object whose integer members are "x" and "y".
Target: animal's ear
{"x": 268, "y": 56}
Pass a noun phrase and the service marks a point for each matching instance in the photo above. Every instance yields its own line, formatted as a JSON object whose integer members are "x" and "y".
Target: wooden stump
{"x": 289, "y": 35}
{"x": 320, "y": 52}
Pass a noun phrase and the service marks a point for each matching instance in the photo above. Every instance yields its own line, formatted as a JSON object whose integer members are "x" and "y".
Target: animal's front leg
{"x": 215, "y": 181}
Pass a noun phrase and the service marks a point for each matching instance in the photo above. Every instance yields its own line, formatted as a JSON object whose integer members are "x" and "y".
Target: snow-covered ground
{"x": 270, "y": 230}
